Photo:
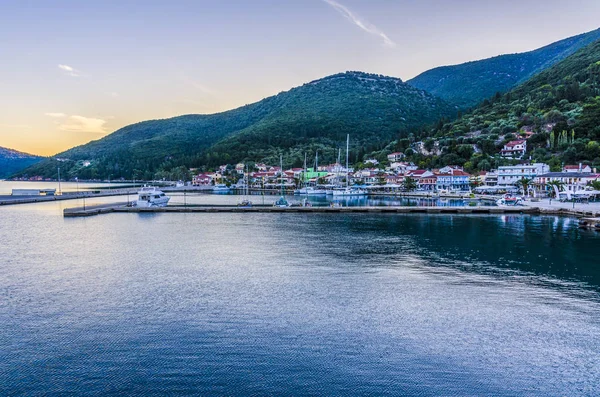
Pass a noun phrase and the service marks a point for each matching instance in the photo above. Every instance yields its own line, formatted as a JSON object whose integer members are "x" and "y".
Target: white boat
{"x": 151, "y": 197}
{"x": 311, "y": 191}
{"x": 349, "y": 191}
{"x": 221, "y": 188}
{"x": 508, "y": 200}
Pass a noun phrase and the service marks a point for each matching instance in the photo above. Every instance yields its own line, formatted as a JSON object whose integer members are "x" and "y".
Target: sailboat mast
{"x": 317, "y": 168}
{"x": 347, "y": 158}
{"x": 304, "y": 173}
{"x": 281, "y": 171}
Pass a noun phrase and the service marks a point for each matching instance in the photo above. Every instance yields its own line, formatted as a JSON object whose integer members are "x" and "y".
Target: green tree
{"x": 410, "y": 184}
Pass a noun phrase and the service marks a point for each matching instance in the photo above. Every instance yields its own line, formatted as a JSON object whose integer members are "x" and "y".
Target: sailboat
{"x": 246, "y": 203}
{"x": 311, "y": 190}
{"x": 281, "y": 201}
{"x": 348, "y": 191}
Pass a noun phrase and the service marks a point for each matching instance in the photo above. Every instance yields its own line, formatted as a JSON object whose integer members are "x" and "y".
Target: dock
{"x": 107, "y": 209}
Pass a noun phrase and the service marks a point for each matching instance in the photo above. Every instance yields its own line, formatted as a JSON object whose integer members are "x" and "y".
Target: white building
{"x": 571, "y": 181}
{"x": 395, "y": 157}
{"x": 509, "y": 175}
{"x": 580, "y": 169}
{"x": 514, "y": 149}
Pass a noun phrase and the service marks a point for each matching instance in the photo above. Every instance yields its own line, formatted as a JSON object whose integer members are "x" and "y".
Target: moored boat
{"x": 151, "y": 197}
{"x": 508, "y": 200}
{"x": 221, "y": 188}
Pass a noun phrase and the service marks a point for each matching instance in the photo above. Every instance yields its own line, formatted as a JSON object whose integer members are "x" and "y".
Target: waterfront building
{"x": 514, "y": 149}
{"x": 456, "y": 180}
{"x": 571, "y": 181}
{"x": 510, "y": 175}
{"x": 491, "y": 178}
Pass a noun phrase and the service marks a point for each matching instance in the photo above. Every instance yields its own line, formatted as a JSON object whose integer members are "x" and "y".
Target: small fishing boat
{"x": 281, "y": 203}
{"x": 151, "y": 197}
{"x": 509, "y": 200}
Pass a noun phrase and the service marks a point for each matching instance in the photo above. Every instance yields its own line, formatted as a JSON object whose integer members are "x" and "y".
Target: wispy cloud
{"x": 79, "y": 123}
{"x": 364, "y": 25}
{"x": 55, "y": 115}
{"x": 69, "y": 70}
{"x": 83, "y": 124}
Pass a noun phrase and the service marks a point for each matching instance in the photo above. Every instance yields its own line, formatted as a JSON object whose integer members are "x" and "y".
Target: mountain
{"x": 12, "y": 161}
{"x": 373, "y": 109}
{"x": 468, "y": 84}
{"x": 559, "y": 108}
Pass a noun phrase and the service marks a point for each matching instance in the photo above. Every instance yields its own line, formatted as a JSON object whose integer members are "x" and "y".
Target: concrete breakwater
{"x": 91, "y": 211}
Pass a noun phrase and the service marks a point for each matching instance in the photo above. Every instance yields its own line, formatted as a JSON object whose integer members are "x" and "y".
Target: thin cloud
{"x": 83, "y": 124}
{"x": 69, "y": 70}
{"x": 55, "y": 115}
{"x": 364, "y": 25}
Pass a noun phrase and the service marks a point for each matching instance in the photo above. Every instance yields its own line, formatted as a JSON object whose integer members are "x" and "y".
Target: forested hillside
{"x": 560, "y": 106}
{"x": 373, "y": 109}
{"x": 468, "y": 84}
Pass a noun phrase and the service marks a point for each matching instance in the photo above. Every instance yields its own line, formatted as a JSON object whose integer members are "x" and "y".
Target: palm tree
{"x": 410, "y": 184}
{"x": 524, "y": 183}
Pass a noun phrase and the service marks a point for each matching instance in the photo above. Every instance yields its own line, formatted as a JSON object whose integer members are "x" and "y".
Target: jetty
{"x": 124, "y": 209}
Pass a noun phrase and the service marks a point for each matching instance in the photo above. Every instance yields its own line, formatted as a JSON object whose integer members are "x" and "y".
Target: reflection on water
{"x": 297, "y": 304}
{"x": 374, "y": 201}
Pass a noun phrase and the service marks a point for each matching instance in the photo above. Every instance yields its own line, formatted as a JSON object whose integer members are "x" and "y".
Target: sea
{"x": 275, "y": 304}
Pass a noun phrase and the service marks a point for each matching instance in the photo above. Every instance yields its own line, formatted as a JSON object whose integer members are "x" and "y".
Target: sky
{"x": 73, "y": 71}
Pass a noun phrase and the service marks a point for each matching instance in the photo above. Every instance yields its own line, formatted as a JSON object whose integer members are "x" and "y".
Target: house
{"x": 427, "y": 182}
{"x": 456, "y": 180}
{"x": 578, "y": 168}
{"x": 510, "y": 175}
{"x": 372, "y": 161}
{"x": 202, "y": 179}
{"x": 490, "y": 178}
{"x": 261, "y": 167}
{"x": 395, "y": 157}
{"x": 514, "y": 149}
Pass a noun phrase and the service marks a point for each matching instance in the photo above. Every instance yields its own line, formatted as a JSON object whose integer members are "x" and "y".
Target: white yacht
{"x": 151, "y": 197}
{"x": 220, "y": 188}
{"x": 311, "y": 191}
{"x": 349, "y": 191}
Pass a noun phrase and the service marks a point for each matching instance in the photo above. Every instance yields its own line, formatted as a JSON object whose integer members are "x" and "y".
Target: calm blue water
{"x": 297, "y": 304}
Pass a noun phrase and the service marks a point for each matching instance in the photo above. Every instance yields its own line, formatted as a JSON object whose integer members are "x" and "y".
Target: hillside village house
{"x": 577, "y": 168}
{"x": 514, "y": 149}
{"x": 509, "y": 175}
{"x": 202, "y": 180}
{"x": 395, "y": 157}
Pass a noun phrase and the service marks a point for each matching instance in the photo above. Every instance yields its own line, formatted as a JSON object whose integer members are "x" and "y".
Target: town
{"x": 574, "y": 182}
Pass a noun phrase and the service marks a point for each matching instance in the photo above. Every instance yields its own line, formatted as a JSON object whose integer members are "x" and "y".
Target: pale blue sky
{"x": 73, "y": 71}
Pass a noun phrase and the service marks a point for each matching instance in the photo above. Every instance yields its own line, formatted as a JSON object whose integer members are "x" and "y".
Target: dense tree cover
{"x": 373, "y": 109}
{"x": 12, "y": 161}
{"x": 468, "y": 84}
{"x": 561, "y": 105}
